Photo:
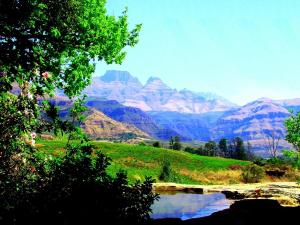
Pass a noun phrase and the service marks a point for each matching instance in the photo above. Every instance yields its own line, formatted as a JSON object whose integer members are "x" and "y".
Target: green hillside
{"x": 141, "y": 161}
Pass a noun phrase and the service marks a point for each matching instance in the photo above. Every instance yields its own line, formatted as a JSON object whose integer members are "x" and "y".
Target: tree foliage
{"x": 292, "y": 125}
{"x": 223, "y": 147}
{"x": 211, "y": 148}
{"x": 239, "y": 149}
{"x": 175, "y": 143}
{"x": 54, "y": 44}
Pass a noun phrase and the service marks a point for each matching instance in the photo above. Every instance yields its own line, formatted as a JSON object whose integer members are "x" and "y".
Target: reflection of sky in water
{"x": 187, "y": 206}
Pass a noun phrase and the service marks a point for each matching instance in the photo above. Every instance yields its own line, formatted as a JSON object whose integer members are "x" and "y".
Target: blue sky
{"x": 240, "y": 49}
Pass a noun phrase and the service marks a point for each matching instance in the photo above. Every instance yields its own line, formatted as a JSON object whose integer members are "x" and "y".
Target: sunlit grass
{"x": 141, "y": 161}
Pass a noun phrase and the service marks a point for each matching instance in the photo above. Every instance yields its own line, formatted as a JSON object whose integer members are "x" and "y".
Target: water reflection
{"x": 187, "y": 206}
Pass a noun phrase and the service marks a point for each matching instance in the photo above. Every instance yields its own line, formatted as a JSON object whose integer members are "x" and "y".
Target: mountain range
{"x": 155, "y": 95}
{"x": 160, "y": 111}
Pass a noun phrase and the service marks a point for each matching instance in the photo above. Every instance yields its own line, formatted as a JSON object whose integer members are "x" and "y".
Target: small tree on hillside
{"x": 223, "y": 147}
{"x": 239, "y": 149}
{"x": 211, "y": 148}
{"x": 156, "y": 144}
{"x": 249, "y": 151}
{"x": 272, "y": 141}
{"x": 175, "y": 143}
{"x": 171, "y": 143}
{"x": 231, "y": 149}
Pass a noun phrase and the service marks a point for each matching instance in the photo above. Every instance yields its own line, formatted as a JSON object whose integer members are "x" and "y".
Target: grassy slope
{"x": 141, "y": 161}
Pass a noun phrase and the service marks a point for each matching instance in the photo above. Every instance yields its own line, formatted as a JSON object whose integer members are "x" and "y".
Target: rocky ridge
{"x": 155, "y": 95}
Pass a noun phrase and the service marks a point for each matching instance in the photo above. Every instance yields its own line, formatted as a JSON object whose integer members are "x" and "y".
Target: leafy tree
{"x": 53, "y": 44}
{"x": 201, "y": 150}
{"x": 292, "y": 125}
{"x": 156, "y": 144}
{"x": 190, "y": 150}
{"x": 223, "y": 147}
{"x": 171, "y": 143}
{"x": 239, "y": 149}
{"x": 211, "y": 148}
{"x": 177, "y": 143}
{"x": 47, "y": 45}
{"x": 249, "y": 152}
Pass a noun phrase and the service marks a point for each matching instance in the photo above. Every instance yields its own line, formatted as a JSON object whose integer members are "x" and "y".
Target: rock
{"x": 287, "y": 193}
{"x": 233, "y": 195}
{"x": 172, "y": 187}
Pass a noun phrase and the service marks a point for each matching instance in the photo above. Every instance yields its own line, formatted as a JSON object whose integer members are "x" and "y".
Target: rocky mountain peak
{"x": 156, "y": 83}
{"x": 119, "y": 76}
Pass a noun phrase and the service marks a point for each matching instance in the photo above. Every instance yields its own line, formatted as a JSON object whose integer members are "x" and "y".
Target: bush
{"x": 253, "y": 174}
{"x": 167, "y": 174}
{"x": 166, "y": 171}
{"x": 76, "y": 189}
{"x": 156, "y": 144}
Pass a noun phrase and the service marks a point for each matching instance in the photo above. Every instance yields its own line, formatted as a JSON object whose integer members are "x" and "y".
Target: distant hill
{"x": 99, "y": 126}
{"x": 253, "y": 122}
{"x": 194, "y": 126}
{"x": 289, "y": 104}
{"x": 124, "y": 114}
{"x": 133, "y": 116}
{"x": 155, "y": 95}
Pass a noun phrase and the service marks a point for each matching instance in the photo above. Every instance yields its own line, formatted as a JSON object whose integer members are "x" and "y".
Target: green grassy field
{"x": 141, "y": 161}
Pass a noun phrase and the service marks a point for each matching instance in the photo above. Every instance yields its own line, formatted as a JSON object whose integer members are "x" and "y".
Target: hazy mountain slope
{"x": 97, "y": 125}
{"x": 133, "y": 116}
{"x": 193, "y": 126}
{"x": 290, "y": 104}
{"x": 155, "y": 95}
{"x": 253, "y": 122}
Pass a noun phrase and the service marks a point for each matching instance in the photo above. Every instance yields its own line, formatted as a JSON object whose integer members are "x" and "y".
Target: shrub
{"x": 156, "y": 144}
{"x": 252, "y": 174}
{"x": 292, "y": 158}
{"x": 166, "y": 171}
{"x": 76, "y": 189}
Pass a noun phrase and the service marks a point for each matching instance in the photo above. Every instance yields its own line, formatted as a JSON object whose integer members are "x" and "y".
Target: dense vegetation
{"x": 45, "y": 46}
{"x": 234, "y": 148}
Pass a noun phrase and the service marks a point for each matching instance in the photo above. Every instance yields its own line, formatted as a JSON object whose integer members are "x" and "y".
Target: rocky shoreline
{"x": 286, "y": 193}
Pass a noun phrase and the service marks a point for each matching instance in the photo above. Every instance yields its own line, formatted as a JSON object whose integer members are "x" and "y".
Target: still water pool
{"x": 187, "y": 206}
